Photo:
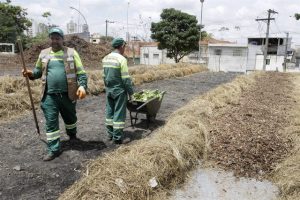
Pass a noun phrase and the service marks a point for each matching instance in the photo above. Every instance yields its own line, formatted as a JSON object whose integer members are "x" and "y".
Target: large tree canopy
{"x": 13, "y": 22}
{"x": 178, "y": 32}
{"x": 297, "y": 16}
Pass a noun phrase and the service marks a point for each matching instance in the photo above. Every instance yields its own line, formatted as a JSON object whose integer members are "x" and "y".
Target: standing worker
{"x": 117, "y": 86}
{"x": 64, "y": 81}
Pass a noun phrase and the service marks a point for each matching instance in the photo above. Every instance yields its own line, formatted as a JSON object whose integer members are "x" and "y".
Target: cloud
{"x": 216, "y": 13}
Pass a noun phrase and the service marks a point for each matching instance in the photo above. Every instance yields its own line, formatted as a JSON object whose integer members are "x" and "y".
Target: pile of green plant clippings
{"x": 146, "y": 95}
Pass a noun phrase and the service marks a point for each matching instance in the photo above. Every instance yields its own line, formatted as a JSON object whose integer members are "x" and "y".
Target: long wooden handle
{"x": 28, "y": 86}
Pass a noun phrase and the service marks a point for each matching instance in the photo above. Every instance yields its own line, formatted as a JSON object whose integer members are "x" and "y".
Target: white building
{"x": 95, "y": 38}
{"x": 227, "y": 57}
{"x": 151, "y": 55}
{"x": 275, "y": 55}
{"x": 85, "y": 28}
{"x": 72, "y": 27}
{"x": 243, "y": 58}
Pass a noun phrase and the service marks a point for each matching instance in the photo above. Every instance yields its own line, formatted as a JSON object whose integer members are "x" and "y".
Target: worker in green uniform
{"x": 65, "y": 81}
{"x": 118, "y": 86}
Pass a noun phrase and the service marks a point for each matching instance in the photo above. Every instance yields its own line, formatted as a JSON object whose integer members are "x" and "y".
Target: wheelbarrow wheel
{"x": 151, "y": 118}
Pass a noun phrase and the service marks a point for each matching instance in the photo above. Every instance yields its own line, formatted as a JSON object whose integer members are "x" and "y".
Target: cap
{"x": 117, "y": 42}
{"x": 56, "y": 30}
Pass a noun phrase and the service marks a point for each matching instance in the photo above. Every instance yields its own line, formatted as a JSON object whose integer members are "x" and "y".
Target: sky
{"x": 232, "y": 20}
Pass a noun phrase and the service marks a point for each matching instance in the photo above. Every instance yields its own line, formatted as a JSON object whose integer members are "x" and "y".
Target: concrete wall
{"x": 276, "y": 63}
{"x": 231, "y": 59}
{"x": 253, "y": 50}
{"x": 153, "y": 56}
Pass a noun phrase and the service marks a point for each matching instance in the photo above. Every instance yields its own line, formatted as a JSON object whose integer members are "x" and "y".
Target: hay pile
{"x": 164, "y": 157}
{"x": 287, "y": 173}
{"x": 145, "y": 74}
{"x": 14, "y": 96}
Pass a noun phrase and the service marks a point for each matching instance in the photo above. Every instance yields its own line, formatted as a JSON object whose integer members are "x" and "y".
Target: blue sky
{"x": 216, "y": 14}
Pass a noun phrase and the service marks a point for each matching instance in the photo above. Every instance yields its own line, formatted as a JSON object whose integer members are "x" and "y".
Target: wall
{"x": 232, "y": 59}
{"x": 276, "y": 63}
{"x": 155, "y": 56}
{"x": 253, "y": 50}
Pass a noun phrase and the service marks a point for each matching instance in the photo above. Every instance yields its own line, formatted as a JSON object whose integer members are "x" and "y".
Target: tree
{"x": 47, "y": 16}
{"x": 178, "y": 32}
{"x": 106, "y": 39}
{"x": 13, "y": 22}
{"x": 297, "y": 16}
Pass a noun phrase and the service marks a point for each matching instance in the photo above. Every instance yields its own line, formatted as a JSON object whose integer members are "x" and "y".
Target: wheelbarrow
{"x": 150, "y": 108}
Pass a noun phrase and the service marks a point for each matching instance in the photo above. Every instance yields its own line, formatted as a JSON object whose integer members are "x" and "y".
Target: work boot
{"x": 118, "y": 141}
{"x": 73, "y": 138}
{"x": 51, "y": 156}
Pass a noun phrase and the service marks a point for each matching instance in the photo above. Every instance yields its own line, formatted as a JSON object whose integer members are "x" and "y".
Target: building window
{"x": 146, "y": 55}
{"x": 237, "y": 52}
{"x": 155, "y": 56}
{"x": 218, "y": 52}
{"x": 267, "y": 61}
{"x": 94, "y": 40}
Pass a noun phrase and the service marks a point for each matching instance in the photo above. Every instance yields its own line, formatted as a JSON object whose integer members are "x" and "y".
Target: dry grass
{"x": 167, "y": 155}
{"x": 14, "y": 96}
{"x": 15, "y": 100}
{"x": 287, "y": 173}
{"x": 145, "y": 74}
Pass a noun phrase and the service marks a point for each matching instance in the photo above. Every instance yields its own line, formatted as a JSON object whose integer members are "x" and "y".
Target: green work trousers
{"x": 52, "y": 105}
{"x": 115, "y": 114}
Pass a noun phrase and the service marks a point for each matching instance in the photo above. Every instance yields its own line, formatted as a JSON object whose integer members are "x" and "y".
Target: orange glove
{"x": 27, "y": 73}
{"x": 81, "y": 92}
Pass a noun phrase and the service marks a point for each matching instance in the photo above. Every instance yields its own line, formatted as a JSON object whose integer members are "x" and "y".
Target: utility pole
{"x": 286, "y": 48}
{"x": 267, "y": 34}
{"x": 106, "y": 22}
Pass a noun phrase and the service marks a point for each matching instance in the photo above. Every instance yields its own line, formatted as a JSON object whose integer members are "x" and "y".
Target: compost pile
{"x": 146, "y": 95}
{"x": 90, "y": 54}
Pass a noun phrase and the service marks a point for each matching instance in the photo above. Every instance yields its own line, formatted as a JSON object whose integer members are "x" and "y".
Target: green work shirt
{"x": 115, "y": 74}
{"x": 56, "y": 74}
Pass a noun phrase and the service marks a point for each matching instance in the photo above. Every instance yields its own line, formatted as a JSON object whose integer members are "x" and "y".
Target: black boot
{"x": 51, "y": 156}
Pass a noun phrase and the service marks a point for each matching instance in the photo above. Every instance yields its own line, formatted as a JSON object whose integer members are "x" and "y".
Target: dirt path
{"x": 246, "y": 138}
{"x": 24, "y": 176}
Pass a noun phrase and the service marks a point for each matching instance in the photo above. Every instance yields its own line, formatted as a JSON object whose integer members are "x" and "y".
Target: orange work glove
{"x": 81, "y": 92}
{"x": 27, "y": 73}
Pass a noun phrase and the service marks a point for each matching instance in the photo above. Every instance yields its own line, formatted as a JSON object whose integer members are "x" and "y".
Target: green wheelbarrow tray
{"x": 150, "y": 108}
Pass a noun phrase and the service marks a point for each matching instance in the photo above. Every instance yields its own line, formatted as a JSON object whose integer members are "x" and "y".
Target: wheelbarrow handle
{"x": 141, "y": 106}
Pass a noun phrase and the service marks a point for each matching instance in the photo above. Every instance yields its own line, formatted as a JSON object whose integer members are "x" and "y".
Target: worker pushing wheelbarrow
{"x": 145, "y": 102}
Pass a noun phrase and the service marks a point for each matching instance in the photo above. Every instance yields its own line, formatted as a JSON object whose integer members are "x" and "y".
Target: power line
{"x": 277, "y": 26}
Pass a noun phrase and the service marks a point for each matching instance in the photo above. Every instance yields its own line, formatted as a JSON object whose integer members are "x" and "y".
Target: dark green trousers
{"x": 53, "y": 105}
{"x": 115, "y": 114}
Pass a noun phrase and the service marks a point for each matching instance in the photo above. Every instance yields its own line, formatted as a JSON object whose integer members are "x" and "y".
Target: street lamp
{"x": 80, "y": 14}
{"x": 199, "y": 53}
{"x": 127, "y": 34}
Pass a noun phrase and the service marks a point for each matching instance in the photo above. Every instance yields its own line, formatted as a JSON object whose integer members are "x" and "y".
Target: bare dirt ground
{"x": 23, "y": 175}
{"x": 246, "y": 138}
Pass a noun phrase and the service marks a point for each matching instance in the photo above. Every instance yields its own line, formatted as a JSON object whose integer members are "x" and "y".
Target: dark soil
{"x": 23, "y": 174}
{"x": 246, "y": 137}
